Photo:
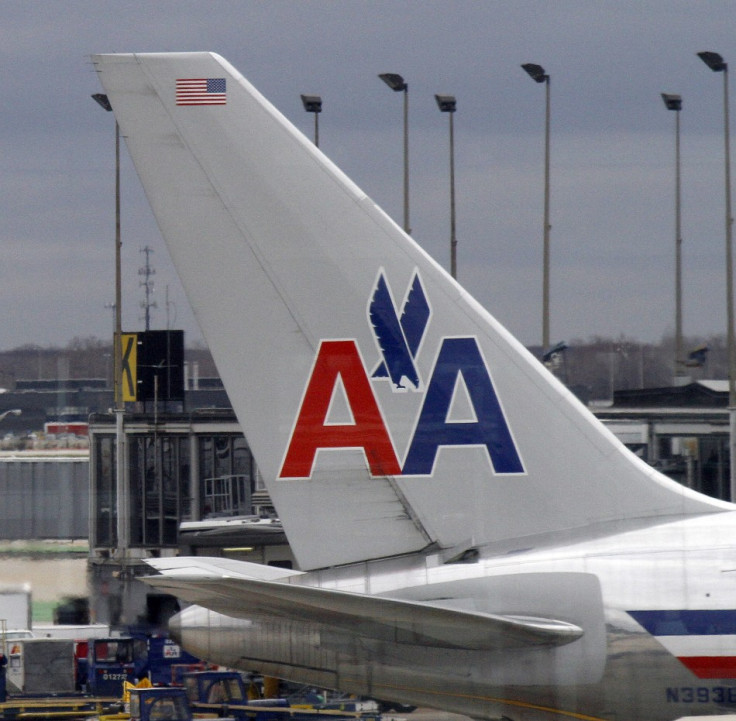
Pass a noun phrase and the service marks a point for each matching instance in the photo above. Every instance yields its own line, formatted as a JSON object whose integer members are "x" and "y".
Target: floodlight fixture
{"x": 672, "y": 102}
{"x": 394, "y": 81}
{"x": 102, "y": 100}
{"x": 536, "y": 72}
{"x": 446, "y": 103}
{"x": 714, "y": 61}
{"x": 312, "y": 103}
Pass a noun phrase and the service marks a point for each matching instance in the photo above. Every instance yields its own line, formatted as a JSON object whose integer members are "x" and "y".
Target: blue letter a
{"x": 461, "y": 355}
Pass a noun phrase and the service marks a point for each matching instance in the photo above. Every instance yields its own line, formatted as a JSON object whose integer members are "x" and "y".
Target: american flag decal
{"x": 201, "y": 91}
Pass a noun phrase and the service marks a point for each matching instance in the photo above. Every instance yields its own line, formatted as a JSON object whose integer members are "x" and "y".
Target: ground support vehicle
{"x": 225, "y": 694}
{"x": 113, "y": 661}
{"x": 40, "y": 675}
{"x": 158, "y": 704}
{"x": 173, "y": 704}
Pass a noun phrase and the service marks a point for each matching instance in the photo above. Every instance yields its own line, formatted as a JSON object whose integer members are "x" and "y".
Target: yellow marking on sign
{"x": 129, "y": 367}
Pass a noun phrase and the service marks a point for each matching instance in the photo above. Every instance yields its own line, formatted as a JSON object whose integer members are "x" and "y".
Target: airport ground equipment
{"x": 225, "y": 693}
{"x": 167, "y": 661}
{"x": 159, "y": 704}
{"x": 41, "y": 682}
{"x": 222, "y": 695}
{"x": 113, "y": 661}
{"x": 41, "y": 666}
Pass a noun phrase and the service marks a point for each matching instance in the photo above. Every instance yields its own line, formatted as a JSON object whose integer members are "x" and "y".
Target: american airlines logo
{"x": 399, "y": 338}
{"x": 459, "y": 367}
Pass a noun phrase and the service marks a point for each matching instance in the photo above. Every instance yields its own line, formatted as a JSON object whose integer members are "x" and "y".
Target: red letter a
{"x": 339, "y": 357}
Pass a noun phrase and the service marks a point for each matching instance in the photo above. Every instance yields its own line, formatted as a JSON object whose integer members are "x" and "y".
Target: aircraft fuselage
{"x": 657, "y": 606}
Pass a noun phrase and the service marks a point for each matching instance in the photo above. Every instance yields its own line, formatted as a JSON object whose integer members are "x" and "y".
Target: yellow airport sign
{"x": 129, "y": 366}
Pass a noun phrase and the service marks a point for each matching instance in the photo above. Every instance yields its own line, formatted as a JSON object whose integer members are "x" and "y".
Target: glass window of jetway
{"x": 185, "y": 476}
{"x": 103, "y": 491}
{"x": 182, "y": 469}
{"x": 159, "y": 488}
{"x": 226, "y": 476}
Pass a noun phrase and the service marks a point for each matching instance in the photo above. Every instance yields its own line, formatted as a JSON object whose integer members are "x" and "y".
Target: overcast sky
{"x": 612, "y": 149}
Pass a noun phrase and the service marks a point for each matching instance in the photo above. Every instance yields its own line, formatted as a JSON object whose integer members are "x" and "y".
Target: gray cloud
{"x": 612, "y": 148}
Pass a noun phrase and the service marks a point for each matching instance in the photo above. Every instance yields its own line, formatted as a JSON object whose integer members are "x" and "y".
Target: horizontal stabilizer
{"x": 387, "y": 619}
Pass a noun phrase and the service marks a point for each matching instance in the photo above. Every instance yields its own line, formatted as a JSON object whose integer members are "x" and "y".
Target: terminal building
{"x": 681, "y": 430}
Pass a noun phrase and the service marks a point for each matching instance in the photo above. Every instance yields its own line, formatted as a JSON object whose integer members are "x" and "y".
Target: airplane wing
{"x": 381, "y": 618}
{"x": 214, "y": 566}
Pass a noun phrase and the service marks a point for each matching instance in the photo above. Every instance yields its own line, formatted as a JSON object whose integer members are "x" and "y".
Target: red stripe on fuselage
{"x": 710, "y": 666}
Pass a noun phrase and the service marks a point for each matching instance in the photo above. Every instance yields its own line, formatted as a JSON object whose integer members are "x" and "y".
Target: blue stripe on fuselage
{"x": 716, "y": 622}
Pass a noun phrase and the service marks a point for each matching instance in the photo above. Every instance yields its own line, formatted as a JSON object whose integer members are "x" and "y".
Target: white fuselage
{"x": 617, "y": 670}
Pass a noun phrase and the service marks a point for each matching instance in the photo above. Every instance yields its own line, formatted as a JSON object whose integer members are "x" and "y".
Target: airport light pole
{"x": 716, "y": 63}
{"x": 674, "y": 102}
{"x": 104, "y": 103}
{"x": 313, "y": 104}
{"x": 397, "y": 84}
{"x": 447, "y": 104}
{"x": 537, "y": 74}
{"x": 120, "y": 480}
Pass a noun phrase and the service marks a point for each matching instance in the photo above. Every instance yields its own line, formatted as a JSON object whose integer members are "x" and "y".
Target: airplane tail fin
{"x": 388, "y": 412}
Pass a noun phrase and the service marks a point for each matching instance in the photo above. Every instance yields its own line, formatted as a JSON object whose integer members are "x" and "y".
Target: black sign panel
{"x": 161, "y": 365}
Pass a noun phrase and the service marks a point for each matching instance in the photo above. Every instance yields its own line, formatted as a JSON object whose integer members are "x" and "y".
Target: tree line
{"x": 89, "y": 358}
{"x": 592, "y": 368}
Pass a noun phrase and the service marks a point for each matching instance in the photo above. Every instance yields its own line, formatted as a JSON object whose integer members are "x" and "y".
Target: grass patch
{"x": 44, "y": 548}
